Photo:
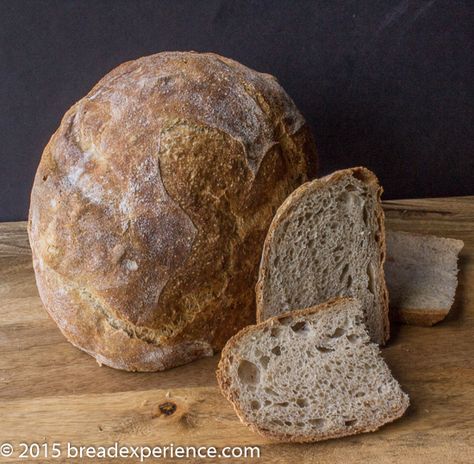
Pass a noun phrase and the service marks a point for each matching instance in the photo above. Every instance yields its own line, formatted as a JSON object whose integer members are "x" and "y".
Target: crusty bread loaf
{"x": 310, "y": 375}
{"x": 151, "y": 204}
{"x": 327, "y": 240}
{"x": 421, "y": 273}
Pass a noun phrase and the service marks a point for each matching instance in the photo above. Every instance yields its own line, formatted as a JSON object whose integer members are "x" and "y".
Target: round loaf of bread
{"x": 151, "y": 204}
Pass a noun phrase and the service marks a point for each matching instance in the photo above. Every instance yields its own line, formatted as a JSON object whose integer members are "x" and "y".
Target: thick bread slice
{"x": 310, "y": 375}
{"x": 421, "y": 273}
{"x": 326, "y": 240}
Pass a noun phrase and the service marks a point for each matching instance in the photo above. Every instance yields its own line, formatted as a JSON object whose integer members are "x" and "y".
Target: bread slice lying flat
{"x": 326, "y": 240}
{"x": 310, "y": 375}
{"x": 421, "y": 273}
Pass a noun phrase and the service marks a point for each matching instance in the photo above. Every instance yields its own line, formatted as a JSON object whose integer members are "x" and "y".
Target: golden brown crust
{"x": 284, "y": 211}
{"x": 232, "y": 396}
{"x": 420, "y": 317}
{"x": 151, "y": 203}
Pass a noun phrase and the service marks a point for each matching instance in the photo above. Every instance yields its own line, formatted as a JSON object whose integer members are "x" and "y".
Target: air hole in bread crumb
{"x": 302, "y": 402}
{"x": 317, "y": 423}
{"x": 255, "y": 405}
{"x": 248, "y": 372}
{"x": 275, "y": 331}
{"x": 353, "y": 338}
{"x": 323, "y": 349}
{"x": 349, "y": 423}
{"x": 264, "y": 360}
{"x": 283, "y": 404}
{"x": 339, "y": 332}
{"x": 344, "y": 272}
{"x": 365, "y": 216}
{"x": 300, "y": 327}
{"x": 349, "y": 200}
{"x": 276, "y": 422}
{"x": 276, "y": 350}
{"x": 288, "y": 423}
{"x": 269, "y": 391}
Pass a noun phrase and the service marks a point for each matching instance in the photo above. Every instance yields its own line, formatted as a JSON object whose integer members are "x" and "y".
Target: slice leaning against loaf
{"x": 310, "y": 375}
{"x": 421, "y": 273}
{"x": 326, "y": 240}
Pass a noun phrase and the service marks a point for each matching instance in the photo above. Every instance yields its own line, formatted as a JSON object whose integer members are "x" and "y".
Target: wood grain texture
{"x": 50, "y": 391}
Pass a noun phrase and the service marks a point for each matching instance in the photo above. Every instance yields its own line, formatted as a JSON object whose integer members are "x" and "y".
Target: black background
{"x": 386, "y": 84}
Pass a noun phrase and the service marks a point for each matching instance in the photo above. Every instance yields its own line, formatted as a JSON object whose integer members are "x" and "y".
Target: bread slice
{"x": 326, "y": 240}
{"x": 421, "y": 273}
{"x": 310, "y": 375}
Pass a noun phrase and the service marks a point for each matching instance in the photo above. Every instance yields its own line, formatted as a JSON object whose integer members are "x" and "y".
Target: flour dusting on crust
{"x": 151, "y": 202}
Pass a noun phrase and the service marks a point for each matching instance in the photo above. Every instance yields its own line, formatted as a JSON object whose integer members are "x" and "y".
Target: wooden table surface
{"x": 52, "y": 392}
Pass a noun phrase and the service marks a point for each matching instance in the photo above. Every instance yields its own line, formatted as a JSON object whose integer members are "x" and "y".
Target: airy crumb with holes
{"x": 310, "y": 375}
{"x": 327, "y": 240}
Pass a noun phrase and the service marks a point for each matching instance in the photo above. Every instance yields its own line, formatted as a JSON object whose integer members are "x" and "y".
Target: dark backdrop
{"x": 386, "y": 84}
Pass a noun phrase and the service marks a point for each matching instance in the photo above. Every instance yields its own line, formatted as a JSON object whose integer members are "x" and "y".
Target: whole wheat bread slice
{"x": 310, "y": 375}
{"x": 421, "y": 273}
{"x": 326, "y": 240}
